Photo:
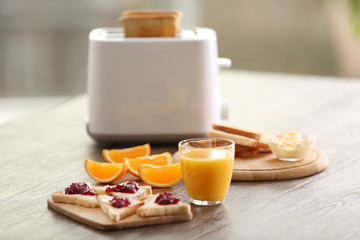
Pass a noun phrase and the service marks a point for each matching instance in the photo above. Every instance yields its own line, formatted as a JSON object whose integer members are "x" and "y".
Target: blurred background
{"x": 44, "y": 43}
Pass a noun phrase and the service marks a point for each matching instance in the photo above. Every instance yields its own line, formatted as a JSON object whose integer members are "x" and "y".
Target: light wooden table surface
{"x": 45, "y": 152}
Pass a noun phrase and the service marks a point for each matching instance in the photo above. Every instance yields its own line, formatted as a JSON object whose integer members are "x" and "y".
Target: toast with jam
{"x": 163, "y": 204}
{"x": 118, "y": 208}
{"x": 81, "y": 194}
{"x": 122, "y": 200}
{"x": 128, "y": 189}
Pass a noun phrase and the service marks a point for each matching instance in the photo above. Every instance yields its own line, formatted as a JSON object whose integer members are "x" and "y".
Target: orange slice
{"x": 160, "y": 176}
{"x": 133, "y": 164}
{"x": 105, "y": 172}
{"x": 118, "y": 155}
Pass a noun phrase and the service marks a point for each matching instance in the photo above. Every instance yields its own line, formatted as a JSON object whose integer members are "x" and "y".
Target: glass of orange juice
{"x": 206, "y": 165}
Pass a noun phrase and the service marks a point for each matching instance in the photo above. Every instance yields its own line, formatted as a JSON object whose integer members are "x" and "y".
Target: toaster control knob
{"x": 224, "y": 62}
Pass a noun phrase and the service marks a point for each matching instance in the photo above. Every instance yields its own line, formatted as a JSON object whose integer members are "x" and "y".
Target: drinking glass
{"x": 207, "y": 165}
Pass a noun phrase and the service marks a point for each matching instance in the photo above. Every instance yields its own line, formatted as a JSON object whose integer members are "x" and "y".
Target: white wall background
{"x": 43, "y": 43}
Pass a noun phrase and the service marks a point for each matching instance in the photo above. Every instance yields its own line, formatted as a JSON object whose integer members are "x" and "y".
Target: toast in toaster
{"x": 150, "y": 23}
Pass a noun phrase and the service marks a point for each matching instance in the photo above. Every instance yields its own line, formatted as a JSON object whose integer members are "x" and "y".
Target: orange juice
{"x": 207, "y": 173}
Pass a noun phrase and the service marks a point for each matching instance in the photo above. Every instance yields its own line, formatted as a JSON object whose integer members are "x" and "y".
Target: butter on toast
{"x": 116, "y": 214}
{"x": 76, "y": 199}
{"x": 152, "y": 209}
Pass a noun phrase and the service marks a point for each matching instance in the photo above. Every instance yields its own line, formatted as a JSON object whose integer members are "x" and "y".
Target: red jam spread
{"x": 120, "y": 202}
{"x": 125, "y": 187}
{"x": 166, "y": 198}
{"x": 80, "y": 188}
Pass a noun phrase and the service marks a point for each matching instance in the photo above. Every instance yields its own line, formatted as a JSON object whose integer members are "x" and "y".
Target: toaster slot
{"x": 114, "y": 33}
{"x": 118, "y": 33}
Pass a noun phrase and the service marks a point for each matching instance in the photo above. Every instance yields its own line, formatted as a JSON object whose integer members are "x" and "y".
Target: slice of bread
{"x": 116, "y": 214}
{"x": 245, "y": 152}
{"x": 152, "y": 209}
{"x": 76, "y": 199}
{"x": 250, "y": 133}
{"x": 150, "y": 23}
{"x": 140, "y": 194}
{"x": 259, "y": 135}
{"x": 241, "y": 148}
{"x": 241, "y": 140}
{"x": 148, "y": 14}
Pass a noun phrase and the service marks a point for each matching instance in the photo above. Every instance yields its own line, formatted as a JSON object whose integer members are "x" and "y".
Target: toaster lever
{"x": 224, "y": 62}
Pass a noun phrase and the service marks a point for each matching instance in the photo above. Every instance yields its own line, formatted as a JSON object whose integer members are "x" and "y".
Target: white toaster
{"x": 153, "y": 89}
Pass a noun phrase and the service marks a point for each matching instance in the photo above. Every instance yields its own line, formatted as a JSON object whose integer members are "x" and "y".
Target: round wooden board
{"x": 266, "y": 167}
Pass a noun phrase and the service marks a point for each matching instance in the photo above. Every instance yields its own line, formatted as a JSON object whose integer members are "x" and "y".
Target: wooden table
{"x": 45, "y": 152}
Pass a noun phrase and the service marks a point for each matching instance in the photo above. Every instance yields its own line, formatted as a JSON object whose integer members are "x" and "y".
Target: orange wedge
{"x": 105, "y": 172}
{"x": 133, "y": 164}
{"x": 160, "y": 176}
{"x": 118, "y": 155}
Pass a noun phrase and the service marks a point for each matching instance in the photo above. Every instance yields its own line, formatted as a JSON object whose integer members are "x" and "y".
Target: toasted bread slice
{"x": 241, "y": 140}
{"x": 241, "y": 148}
{"x": 245, "y": 152}
{"x": 264, "y": 147}
{"x": 259, "y": 135}
{"x": 147, "y": 188}
{"x": 100, "y": 190}
{"x": 176, "y": 14}
{"x": 116, "y": 214}
{"x": 140, "y": 194}
{"x": 152, "y": 209}
{"x": 246, "y": 132}
{"x": 150, "y": 23}
{"x": 76, "y": 199}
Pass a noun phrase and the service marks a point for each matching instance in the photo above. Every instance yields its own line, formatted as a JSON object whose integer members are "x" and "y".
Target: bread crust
{"x": 250, "y": 133}
{"x": 76, "y": 199}
{"x": 149, "y": 12}
{"x": 152, "y": 209}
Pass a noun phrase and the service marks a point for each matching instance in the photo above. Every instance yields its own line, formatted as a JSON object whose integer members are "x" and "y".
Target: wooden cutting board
{"x": 266, "y": 167}
{"x": 95, "y": 217}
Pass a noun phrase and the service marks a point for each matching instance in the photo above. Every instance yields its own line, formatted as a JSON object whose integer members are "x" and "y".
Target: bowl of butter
{"x": 291, "y": 146}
